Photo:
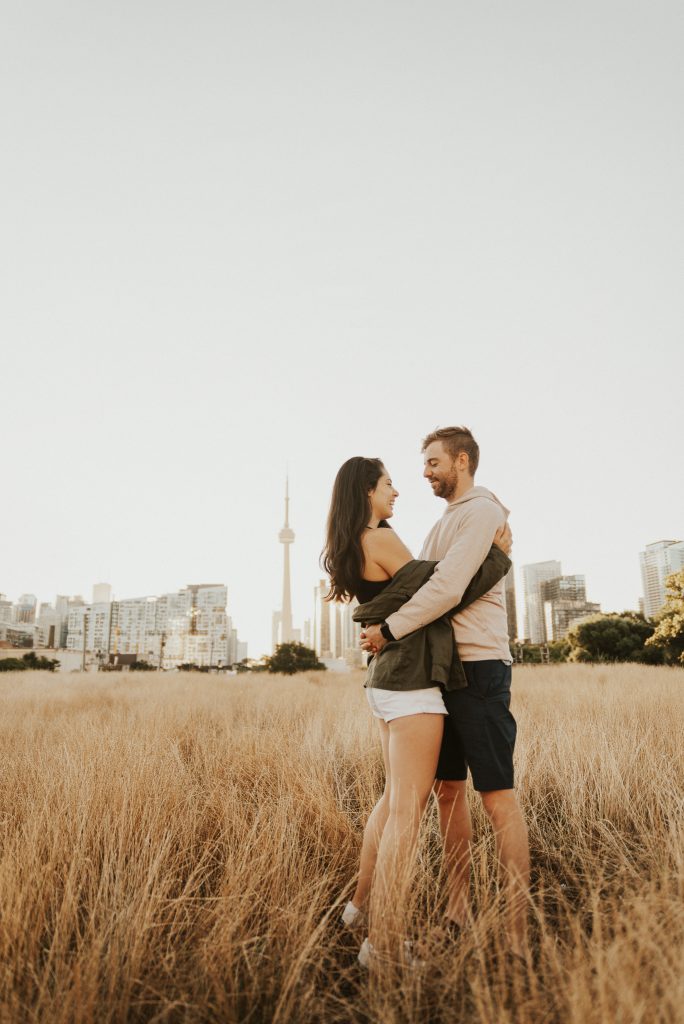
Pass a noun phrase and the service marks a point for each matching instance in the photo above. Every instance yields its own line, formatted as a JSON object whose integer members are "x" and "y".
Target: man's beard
{"x": 446, "y": 488}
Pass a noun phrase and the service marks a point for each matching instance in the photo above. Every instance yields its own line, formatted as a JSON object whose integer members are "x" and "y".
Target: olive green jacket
{"x": 428, "y": 656}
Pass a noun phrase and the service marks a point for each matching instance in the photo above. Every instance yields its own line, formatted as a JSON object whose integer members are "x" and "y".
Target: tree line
{"x": 29, "y": 661}
{"x": 622, "y": 637}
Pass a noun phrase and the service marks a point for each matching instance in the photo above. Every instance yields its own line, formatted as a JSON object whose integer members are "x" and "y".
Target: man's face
{"x": 440, "y": 470}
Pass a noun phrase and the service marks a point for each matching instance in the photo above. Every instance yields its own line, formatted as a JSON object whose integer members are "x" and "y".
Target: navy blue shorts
{"x": 479, "y": 731}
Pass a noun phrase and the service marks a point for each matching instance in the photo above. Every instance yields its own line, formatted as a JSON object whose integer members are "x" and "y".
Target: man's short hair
{"x": 455, "y": 441}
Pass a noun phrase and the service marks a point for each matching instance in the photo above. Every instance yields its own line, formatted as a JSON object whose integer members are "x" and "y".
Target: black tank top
{"x": 366, "y": 590}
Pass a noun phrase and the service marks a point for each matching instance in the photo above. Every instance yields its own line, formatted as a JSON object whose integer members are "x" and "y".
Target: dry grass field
{"x": 177, "y": 848}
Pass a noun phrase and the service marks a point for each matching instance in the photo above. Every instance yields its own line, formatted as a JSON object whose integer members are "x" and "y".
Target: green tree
{"x": 11, "y": 665}
{"x": 669, "y": 631}
{"x": 291, "y": 658}
{"x": 251, "y": 665}
{"x": 559, "y": 650}
{"x": 539, "y": 654}
{"x": 529, "y": 654}
{"x": 29, "y": 661}
{"x": 606, "y": 638}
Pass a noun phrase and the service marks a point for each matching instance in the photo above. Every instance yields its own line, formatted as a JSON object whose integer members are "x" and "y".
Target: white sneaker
{"x": 365, "y": 954}
{"x": 351, "y": 916}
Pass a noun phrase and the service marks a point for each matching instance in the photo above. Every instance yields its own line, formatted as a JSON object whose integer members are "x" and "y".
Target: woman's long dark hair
{"x": 350, "y": 510}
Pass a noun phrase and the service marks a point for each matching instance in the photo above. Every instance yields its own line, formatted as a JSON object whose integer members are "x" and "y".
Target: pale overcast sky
{"x": 237, "y": 236}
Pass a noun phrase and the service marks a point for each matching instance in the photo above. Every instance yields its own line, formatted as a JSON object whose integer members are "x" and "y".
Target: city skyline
{"x": 333, "y": 231}
{"x": 190, "y": 625}
{"x": 545, "y": 601}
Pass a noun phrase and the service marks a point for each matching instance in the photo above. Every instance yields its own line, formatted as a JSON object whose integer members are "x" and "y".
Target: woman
{"x": 362, "y": 556}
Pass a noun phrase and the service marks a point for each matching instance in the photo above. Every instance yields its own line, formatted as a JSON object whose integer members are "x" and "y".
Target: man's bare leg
{"x": 503, "y": 810}
{"x": 457, "y": 834}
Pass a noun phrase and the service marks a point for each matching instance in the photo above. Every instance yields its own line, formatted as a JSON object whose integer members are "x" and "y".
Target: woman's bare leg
{"x": 414, "y": 744}
{"x": 374, "y": 826}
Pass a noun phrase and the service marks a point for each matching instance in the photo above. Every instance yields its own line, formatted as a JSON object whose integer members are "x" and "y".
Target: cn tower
{"x": 286, "y": 537}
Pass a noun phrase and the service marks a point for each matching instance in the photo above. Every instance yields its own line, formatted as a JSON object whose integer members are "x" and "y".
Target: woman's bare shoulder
{"x": 383, "y": 540}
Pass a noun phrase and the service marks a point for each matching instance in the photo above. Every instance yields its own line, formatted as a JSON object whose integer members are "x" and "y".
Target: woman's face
{"x": 382, "y": 498}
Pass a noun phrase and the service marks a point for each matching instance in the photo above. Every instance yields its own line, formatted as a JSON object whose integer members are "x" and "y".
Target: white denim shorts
{"x": 389, "y": 704}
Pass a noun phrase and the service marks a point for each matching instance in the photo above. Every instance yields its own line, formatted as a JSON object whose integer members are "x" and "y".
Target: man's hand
{"x": 372, "y": 640}
{"x": 503, "y": 538}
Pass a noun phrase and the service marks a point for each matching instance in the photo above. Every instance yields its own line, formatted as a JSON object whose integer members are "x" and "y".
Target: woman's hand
{"x": 372, "y": 640}
{"x": 503, "y": 538}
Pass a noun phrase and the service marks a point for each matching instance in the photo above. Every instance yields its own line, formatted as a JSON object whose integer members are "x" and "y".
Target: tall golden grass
{"x": 178, "y": 848}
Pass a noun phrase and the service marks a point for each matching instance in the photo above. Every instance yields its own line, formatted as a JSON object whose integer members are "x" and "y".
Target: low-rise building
{"x": 18, "y": 634}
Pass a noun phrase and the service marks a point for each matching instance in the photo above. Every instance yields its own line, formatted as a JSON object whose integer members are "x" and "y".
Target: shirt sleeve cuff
{"x": 387, "y": 632}
{"x": 393, "y": 627}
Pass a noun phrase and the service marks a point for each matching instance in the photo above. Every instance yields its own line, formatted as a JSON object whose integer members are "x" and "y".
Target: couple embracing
{"x": 438, "y": 681}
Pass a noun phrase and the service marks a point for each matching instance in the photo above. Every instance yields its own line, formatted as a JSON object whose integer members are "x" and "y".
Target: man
{"x": 479, "y": 733}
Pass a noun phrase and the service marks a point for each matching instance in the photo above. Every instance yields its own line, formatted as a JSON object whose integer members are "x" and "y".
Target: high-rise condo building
{"x": 350, "y": 636}
{"x": 335, "y": 634}
{"x": 511, "y": 609}
{"x": 62, "y": 603}
{"x": 208, "y": 634}
{"x": 657, "y": 562}
{"x": 322, "y": 625}
{"x": 134, "y": 627}
{"x": 102, "y": 593}
{"x": 25, "y": 610}
{"x": 49, "y": 625}
{"x": 565, "y": 603}
{"x": 534, "y": 576}
{"x": 89, "y": 626}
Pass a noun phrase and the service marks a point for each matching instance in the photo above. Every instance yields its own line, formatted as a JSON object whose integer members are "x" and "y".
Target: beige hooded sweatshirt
{"x": 460, "y": 541}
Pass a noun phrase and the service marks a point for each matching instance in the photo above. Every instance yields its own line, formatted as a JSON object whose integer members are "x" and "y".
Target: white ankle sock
{"x": 350, "y": 913}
